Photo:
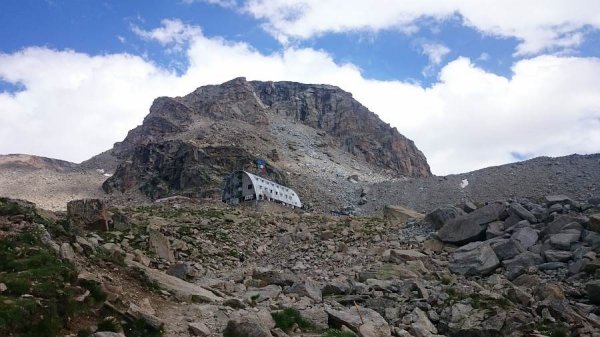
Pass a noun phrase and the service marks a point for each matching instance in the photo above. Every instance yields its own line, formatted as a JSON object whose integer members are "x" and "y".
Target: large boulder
{"x": 350, "y": 318}
{"x": 399, "y": 214}
{"x": 520, "y": 211}
{"x": 160, "y": 245}
{"x": 526, "y": 236}
{"x": 520, "y": 263}
{"x": 507, "y": 249}
{"x": 593, "y": 291}
{"x": 476, "y": 258}
{"x": 472, "y": 226}
{"x": 441, "y": 215}
{"x": 88, "y": 213}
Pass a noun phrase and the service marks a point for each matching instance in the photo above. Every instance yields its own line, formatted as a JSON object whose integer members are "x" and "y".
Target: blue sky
{"x": 475, "y": 70}
{"x": 98, "y": 27}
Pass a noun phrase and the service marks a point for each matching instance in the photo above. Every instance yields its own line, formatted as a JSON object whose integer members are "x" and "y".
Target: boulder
{"x": 377, "y": 325}
{"x": 306, "y": 288}
{"x": 593, "y": 291}
{"x": 441, "y": 215}
{"x": 421, "y": 325}
{"x": 494, "y": 230}
{"x": 521, "y": 212}
{"x": 564, "y": 239}
{"x": 399, "y": 214}
{"x": 403, "y": 255}
{"x": 278, "y": 277}
{"x": 182, "y": 290}
{"x": 594, "y": 224}
{"x": 246, "y": 327}
{"x": 559, "y": 222}
{"x": 66, "y": 252}
{"x": 91, "y": 214}
{"x": 476, "y": 258}
{"x": 180, "y": 270}
{"x": 526, "y": 236}
{"x": 557, "y": 199}
{"x": 199, "y": 329}
{"x": 469, "y": 206}
{"x": 519, "y": 296}
{"x": 160, "y": 245}
{"x": 520, "y": 263}
{"x": 336, "y": 287}
{"x": 557, "y": 255}
{"x": 271, "y": 291}
{"x": 472, "y": 226}
{"x": 507, "y": 249}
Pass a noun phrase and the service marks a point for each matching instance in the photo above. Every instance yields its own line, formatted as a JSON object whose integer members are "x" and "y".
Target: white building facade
{"x": 243, "y": 186}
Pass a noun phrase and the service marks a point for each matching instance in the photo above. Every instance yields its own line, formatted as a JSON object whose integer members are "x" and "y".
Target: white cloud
{"x": 172, "y": 32}
{"x": 435, "y": 53}
{"x": 538, "y": 24}
{"x": 76, "y": 105}
{"x": 222, "y": 3}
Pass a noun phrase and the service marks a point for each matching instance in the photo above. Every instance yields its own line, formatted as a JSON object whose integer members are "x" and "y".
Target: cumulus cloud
{"x": 538, "y": 24}
{"x": 75, "y": 105}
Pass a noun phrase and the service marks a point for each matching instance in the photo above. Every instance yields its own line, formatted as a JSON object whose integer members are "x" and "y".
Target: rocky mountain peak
{"x": 279, "y": 121}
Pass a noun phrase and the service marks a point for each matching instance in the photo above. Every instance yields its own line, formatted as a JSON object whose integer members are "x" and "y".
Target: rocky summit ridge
{"x": 187, "y": 144}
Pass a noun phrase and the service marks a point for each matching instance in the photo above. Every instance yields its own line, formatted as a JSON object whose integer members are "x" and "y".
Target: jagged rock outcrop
{"x": 187, "y": 144}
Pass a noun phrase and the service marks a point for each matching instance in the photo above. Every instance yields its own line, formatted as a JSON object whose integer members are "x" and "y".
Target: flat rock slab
{"x": 476, "y": 258}
{"x": 471, "y": 226}
{"x": 181, "y": 289}
{"x": 526, "y": 236}
{"x": 403, "y": 255}
{"x": 354, "y": 319}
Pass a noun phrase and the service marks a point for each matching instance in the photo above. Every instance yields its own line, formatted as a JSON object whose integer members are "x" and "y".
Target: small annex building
{"x": 243, "y": 186}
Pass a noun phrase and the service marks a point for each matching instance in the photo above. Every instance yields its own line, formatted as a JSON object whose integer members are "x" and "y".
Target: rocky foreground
{"x": 183, "y": 268}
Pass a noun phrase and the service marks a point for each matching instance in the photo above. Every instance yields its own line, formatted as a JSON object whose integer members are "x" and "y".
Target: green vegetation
{"x": 557, "y": 329}
{"x": 9, "y": 207}
{"x": 110, "y": 257}
{"x": 289, "y": 317}
{"x": 40, "y": 295}
{"x": 337, "y": 333}
{"x": 110, "y": 324}
{"x": 477, "y": 300}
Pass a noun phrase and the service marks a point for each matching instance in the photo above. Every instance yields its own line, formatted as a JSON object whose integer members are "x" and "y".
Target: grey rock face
{"x": 476, "y": 258}
{"x": 472, "y": 226}
{"x": 171, "y": 152}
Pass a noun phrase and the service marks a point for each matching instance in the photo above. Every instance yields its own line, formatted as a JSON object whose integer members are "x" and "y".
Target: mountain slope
{"x": 313, "y": 137}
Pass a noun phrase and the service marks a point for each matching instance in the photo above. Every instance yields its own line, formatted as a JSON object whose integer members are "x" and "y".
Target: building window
{"x": 249, "y": 186}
